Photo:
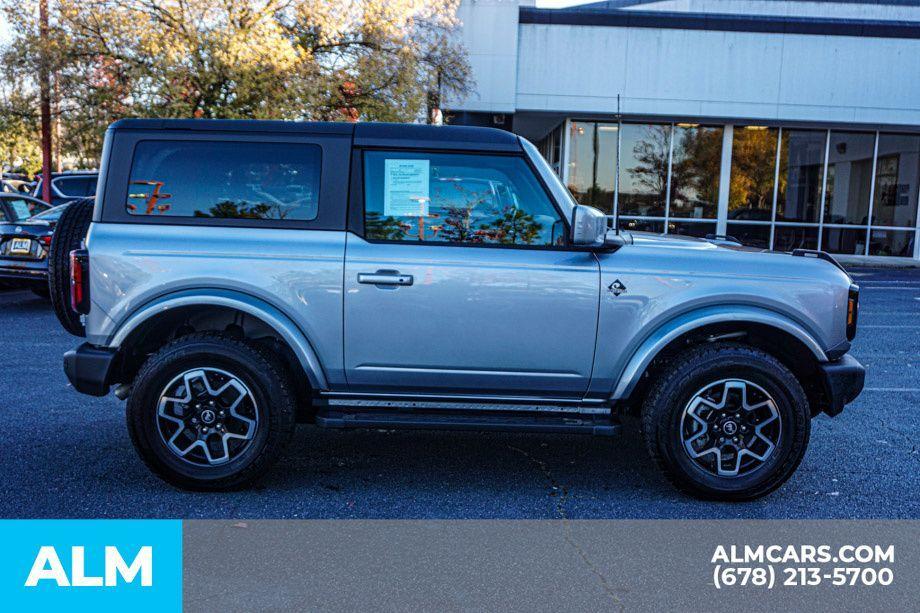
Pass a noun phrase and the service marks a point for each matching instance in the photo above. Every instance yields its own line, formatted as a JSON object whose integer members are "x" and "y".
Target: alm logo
{"x": 48, "y": 568}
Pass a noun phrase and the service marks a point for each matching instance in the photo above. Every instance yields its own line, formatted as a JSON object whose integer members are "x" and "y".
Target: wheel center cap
{"x": 730, "y": 427}
{"x": 208, "y": 416}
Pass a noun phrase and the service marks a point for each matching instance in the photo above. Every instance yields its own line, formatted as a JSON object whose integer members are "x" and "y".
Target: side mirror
{"x": 589, "y": 227}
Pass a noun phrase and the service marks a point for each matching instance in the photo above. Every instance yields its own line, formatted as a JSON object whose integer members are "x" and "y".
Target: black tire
{"x": 676, "y": 385}
{"x": 41, "y": 291}
{"x": 263, "y": 375}
{"x": 68, "y": 235}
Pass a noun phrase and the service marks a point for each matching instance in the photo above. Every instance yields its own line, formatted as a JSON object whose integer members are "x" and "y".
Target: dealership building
{"x": 782, "y": 123}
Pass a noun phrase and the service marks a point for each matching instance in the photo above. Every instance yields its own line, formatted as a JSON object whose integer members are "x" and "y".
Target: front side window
{"x": 457, "y": 198}
{"x": 229, "y": 180}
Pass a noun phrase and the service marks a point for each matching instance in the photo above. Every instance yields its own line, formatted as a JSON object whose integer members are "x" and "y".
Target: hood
{"x": 688, "y": 242}
{"x": 725, "y": 255}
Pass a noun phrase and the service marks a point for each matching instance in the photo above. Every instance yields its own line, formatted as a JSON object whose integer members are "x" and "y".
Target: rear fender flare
{"x": 274, "y": 317}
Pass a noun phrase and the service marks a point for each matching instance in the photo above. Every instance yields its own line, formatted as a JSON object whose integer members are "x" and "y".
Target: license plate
{"x": 21, "y": 245}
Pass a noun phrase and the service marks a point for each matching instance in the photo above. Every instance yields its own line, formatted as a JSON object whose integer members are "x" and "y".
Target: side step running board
{"x": 513, "y": 421}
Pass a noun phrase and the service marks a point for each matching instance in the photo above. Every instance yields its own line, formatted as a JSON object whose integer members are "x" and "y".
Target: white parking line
{"x": 893, "y": 389}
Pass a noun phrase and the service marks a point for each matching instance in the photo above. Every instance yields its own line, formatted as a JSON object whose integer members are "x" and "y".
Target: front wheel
{"x": 210, "y": 412}
{"x": 727, "y": 422}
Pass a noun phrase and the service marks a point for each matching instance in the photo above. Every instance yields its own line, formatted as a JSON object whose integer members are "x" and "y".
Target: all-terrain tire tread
{"x": 655, "y": 411}
{"x": 281, "y": 414}
{"x": 68, "y": 235}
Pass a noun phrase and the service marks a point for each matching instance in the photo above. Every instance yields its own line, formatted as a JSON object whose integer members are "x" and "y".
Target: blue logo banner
{"x": 84, "y": 565}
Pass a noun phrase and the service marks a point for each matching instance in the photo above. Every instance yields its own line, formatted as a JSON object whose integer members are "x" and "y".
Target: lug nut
{"x": 194, "y": 421}
{"x": 735, "y": 439}
{"x": 205, "y": 429}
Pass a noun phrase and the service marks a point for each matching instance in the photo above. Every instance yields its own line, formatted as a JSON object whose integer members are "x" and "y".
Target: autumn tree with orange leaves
{"x": 345, "y": 60}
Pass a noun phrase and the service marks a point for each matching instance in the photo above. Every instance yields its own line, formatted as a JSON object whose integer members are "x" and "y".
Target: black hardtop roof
{"x": 370, "y": 134}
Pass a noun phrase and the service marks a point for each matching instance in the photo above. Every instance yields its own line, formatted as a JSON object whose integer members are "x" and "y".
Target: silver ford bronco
{"x": 240, "y": 277}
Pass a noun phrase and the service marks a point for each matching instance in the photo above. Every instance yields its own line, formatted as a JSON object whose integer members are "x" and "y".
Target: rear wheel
{"x": 68, "y": 235}
{"x": 727, "y": 422}
{"x": 209, "y": 412}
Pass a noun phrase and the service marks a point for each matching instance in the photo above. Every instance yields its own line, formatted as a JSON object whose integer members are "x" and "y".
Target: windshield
{"x": 562, "y": 196}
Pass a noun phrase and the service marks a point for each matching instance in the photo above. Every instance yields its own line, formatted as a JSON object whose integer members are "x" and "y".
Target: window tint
{"x": 458, "y": 199}
{"x": 278, "y": 181}
{"x": 77, "y": 187}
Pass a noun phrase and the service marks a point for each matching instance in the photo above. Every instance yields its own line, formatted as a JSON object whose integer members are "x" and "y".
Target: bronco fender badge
{"x": 617, "y": 288}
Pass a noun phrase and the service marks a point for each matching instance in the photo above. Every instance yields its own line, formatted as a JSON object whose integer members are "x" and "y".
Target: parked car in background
{"x": 16, "y": 186}
{"x": 68, "y": 186}
{"x": 26, "y": 227}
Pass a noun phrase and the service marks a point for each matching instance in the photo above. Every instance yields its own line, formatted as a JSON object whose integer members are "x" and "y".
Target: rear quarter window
{"x": 228, "y": 180}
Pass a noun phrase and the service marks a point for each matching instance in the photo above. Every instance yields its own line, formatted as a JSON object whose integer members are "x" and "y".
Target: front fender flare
{"x": 274, "y": 317}
{"x": 687, "y": 322}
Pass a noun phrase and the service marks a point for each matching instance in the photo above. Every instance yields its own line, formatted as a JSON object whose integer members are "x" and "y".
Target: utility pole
{"x": 44, "y": 86}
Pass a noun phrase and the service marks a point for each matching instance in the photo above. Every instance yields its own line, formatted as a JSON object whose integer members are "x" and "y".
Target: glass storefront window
{"x": 750, "y": 195}
{"x": 606, "y": 168}
{"x": 892, "y": 242}
{"x": 644, "y": 169}
{"x": 695, "y": 164}
{"x": 642, "y": 225}
{"x": 788, "y": 238}
{"x": 689, "y": 228}
{"x": 851, "y": 241}
{"x": 750, "y": 235}
{"x": 592, "y": 163}
{"x": 849, "y": 178}
{"x": 581, "y": 160}
{"x": 897, "y": 181}
{"x": 780, "y": 177}
{"x": 801, "y": 171}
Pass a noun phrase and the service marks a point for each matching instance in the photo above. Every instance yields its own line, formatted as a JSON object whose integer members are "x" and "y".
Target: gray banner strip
{"x": 341, "y": 565}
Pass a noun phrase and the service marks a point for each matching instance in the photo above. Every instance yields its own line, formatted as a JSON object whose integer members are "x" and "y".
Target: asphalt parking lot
{"x": 68, "y": 455}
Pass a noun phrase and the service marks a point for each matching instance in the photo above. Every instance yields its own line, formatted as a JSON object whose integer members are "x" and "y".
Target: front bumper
{"x": 842, "y": 381}
{"x": 89, "y": 368}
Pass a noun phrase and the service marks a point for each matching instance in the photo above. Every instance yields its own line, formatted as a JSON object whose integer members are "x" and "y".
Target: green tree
{"x": 263, "y": 59}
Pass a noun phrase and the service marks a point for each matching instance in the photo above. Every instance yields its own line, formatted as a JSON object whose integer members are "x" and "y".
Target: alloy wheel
{"x": 207, "y": 416}
{"x": 730, "y": 428}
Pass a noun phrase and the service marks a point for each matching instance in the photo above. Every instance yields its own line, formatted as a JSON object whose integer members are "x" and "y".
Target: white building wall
{"x": 489, "y": 33}
{"x": 790, "y": 8}
{"x": 694, "y": 73}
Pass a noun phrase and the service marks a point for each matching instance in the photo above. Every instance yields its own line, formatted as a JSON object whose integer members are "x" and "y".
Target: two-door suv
{"x": 240, "y": 277}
